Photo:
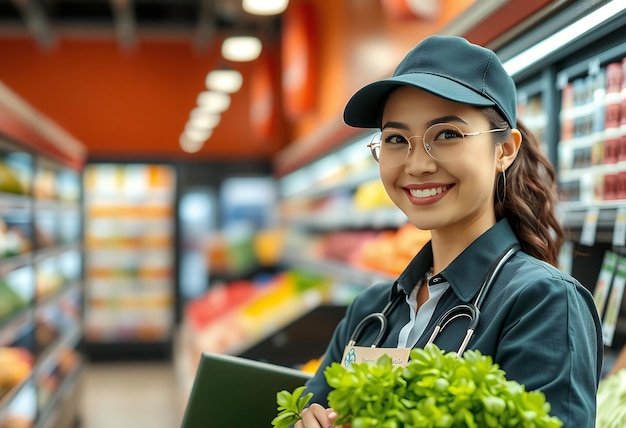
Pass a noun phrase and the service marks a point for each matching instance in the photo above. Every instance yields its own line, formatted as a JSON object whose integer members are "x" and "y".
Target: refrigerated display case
{"x": 40, "y": 288}
{"x": 130, "y": 215}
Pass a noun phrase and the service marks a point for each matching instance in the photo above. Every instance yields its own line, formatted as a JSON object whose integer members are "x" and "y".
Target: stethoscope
{"x": 470, "y": 310}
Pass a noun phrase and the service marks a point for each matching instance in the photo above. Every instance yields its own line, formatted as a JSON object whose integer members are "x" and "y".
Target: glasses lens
{"x": 444, "y": 142}
{"x": 394, "y": 148}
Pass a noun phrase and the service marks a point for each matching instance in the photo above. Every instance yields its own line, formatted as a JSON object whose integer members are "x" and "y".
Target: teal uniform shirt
{"x": 538, "y": 323}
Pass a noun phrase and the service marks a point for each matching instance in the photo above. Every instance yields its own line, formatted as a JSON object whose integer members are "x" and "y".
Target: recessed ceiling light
{"x": 203, "y": 121}
{"x": 188, "y": 145}
{"x": 223, "y": 80}
{"x": 196, "y": 134}
{"x": 265, "y": 7}
{"x": 563, "y": 37}
{"x": 241, "y": 48}
{"x": 213, "y": 102}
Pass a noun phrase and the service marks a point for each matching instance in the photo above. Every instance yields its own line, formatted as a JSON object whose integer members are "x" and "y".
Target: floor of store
{"x": 130, "y": 395}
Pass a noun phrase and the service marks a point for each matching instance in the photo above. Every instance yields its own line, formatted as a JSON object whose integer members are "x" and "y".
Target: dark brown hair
{"x": 531, "y": 195}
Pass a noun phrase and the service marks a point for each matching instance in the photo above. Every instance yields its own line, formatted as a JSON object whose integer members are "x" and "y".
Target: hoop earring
{"x": 501, "y": 198}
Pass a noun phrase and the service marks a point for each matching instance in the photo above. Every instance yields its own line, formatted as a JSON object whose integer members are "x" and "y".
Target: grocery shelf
{"x": 11, "y": 263}
{"x": 45, "y": 253}
{"x": 40, "y": 219}
{"x": 129, "y": 232}
{"x": 8, "y": 398}
{"x": 302, "y": 340}
{"x": 381, "y": 218}
{"x": 342, "y": 271}
{"x": 47, "y": 361}
{"x": 12, "y": 201}
{"x": 53, "y": 298}
{"x": 54, "y": 413}
{"x": 345, "y": 183}
{"x": 14, "y": 325}
{"x": 573, "y": 216}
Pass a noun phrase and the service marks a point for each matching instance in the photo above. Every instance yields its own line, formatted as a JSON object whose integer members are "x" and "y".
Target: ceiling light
{"x": 197, "y": 135}
{"x": 562, "y": 37}
{"x": 213, "y": 102}
{"x": 265, "y": 7}
{"x": 188, "y": 145}
{"x": 203, "y": 121}
{"x": 241, "y": 48}
{"x": 222, "y": 80}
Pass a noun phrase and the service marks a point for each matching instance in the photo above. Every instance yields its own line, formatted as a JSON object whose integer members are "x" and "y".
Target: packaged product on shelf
{"x": 16, "y": 364}
{"x": 614, "y": 303}
{"x": 9, "y": 181}
{"x": 605, "y": 279}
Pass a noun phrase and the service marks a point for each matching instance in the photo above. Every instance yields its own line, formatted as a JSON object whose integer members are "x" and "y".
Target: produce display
{"x": 10, "y": 181}
{"x": 10, "y": 300}
{"x": 14, "y": 239}
{"x": 457, "y": 392}
{"x": 233, "y": 316}
{"x": 49, "y": 383}
{"x": 392, "y": 251}
{"x": 371, "y": 195}
{"x": 15, "y": 366}
{"x": 611, "y": 399}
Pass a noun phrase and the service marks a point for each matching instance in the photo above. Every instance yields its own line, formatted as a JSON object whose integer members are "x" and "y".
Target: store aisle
{"x": 130, "y": 395}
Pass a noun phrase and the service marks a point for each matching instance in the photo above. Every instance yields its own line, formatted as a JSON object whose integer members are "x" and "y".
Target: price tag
{"x": 561, "y": 80}
{"x": 588, "y": 233}
{"x": 594, "y": 66}
{"x": 619, "y": 230}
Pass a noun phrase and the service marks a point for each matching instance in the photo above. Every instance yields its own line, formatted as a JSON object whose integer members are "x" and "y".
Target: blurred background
{"x": 176, "y": 177}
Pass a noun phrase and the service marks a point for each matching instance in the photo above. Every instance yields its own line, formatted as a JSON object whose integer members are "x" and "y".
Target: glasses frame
{"x": 377, "y": 138}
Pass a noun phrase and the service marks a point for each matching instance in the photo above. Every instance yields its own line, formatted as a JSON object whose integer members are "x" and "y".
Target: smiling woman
{"x": 454, "y": 158}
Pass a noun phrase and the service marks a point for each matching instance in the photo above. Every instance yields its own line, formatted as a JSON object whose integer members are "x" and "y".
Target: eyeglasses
{"x": 442, "y": 141}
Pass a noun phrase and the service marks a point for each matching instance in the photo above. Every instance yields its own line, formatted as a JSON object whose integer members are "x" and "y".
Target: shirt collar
{"x": 468, "y": 270}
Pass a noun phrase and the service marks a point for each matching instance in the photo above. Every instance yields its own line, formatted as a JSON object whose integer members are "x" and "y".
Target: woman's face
{"x": 453, "y": 197}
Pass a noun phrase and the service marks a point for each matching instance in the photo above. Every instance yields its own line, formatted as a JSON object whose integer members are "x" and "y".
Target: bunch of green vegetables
{"x": 435, "y": 389}
{"x": 611, "y": 399}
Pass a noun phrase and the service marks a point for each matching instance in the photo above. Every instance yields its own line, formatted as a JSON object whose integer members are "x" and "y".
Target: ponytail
{"x": 531, "y": 196}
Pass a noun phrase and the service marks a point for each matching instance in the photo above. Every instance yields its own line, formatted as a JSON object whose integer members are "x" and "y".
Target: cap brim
{"x": 363, "y": 110}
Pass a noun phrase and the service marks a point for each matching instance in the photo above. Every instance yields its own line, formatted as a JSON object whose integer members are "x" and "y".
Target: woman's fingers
{"x": 332, "y": 416}
{"x": 315, "y": 416}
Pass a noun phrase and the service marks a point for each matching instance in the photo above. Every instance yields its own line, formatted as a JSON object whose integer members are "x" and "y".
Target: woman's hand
{"x": 316, "y": 416}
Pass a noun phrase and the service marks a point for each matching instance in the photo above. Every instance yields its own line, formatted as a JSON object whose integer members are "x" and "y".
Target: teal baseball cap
{"x": 448, "y": 66}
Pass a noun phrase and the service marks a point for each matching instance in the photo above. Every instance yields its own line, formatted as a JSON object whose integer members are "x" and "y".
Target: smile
{"x": 427, "y": 193}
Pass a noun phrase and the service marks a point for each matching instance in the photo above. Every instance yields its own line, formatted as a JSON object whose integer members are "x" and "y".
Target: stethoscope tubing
{"x": 470, "y": 310}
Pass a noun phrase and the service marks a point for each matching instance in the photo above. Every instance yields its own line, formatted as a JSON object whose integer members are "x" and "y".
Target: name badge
{"x": 364, "y": 354}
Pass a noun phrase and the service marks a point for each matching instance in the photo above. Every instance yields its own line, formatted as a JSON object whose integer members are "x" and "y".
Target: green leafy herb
{"x": 290, "y": 405}
{"x": 435, "y": 389}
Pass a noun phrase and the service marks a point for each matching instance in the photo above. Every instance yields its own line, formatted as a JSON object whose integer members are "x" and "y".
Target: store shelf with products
{"x": 322, "y": 261}
{"x": 41, "y": 285}
{"x": 340, "y": 190}
{"x": 129, "y": 258}
{"x": 235, "y": 317}
{"x": 583, "y": 96}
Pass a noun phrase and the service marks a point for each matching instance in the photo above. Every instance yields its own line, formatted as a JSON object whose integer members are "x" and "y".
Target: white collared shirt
{"x": 412, "y": 331}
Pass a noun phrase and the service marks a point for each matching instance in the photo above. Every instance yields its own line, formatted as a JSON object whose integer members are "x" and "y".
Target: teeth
{"x": 425, "y": 193}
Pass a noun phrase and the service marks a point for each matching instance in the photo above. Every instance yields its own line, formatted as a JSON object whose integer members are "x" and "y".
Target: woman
{"x": 455, "y": 160}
